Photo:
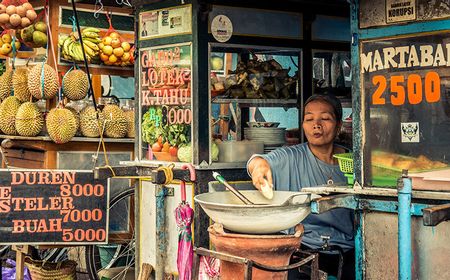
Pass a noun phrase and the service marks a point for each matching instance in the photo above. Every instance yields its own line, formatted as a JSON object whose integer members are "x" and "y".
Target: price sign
{"x": 405, "y": 71}
{"x": 52, "y": 206}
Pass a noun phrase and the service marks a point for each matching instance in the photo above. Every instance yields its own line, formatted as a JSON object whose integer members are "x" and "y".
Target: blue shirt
{"x": 295, "y": 167}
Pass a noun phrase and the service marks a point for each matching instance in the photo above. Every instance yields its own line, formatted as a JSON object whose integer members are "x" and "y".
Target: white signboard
{"x": 221, "y": 28}
{"x": 410, "y": 132}
{"x": 400, "y": 10}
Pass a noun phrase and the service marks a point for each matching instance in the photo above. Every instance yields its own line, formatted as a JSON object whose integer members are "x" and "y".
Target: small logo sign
{"x": 221, "y": 28}
{"x": 410, "y": 132}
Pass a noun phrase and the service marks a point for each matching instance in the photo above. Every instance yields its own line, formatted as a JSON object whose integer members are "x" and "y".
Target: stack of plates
{"x": 270, "y": 136}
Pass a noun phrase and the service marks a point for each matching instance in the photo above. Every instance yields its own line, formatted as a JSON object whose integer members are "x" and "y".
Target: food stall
{"x": 204, "y": 73}
{"x": 399, "y": 170}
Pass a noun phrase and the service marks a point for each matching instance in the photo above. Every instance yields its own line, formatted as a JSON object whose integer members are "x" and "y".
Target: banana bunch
{"x": 72, "y": 49}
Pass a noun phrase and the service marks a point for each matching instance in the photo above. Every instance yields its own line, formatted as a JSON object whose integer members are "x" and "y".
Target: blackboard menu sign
{"x": 52, "y": 207}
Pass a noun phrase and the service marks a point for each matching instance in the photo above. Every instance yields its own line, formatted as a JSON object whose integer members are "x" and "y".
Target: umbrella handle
{"x": 191, "y": 168}
{"x": 183, "y": 191}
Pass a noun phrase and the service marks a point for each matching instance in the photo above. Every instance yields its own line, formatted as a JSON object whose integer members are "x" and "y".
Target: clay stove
{"x": 271, "y": 252}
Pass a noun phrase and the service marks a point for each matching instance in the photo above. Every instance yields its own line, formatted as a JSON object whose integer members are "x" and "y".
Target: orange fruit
{"x": 114, "y": 35}
{"x": 108, "y": 50}
{"x": 126, "y": 56}
{"x": 107, "y": 40}
{"x": 118, "y": 51}
{"x": 112, "y": 58}
{"x": 126, "y": 46}
{"x": 115, "y": 43}
{"x": 104, "y": 57}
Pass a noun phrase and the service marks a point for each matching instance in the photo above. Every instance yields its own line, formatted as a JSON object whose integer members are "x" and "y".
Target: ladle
{"x": 246, "y": 201}
{"x": 238, "y": 194}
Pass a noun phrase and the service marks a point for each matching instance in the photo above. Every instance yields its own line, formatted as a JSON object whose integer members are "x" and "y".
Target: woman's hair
{"x": 330, "y": 99}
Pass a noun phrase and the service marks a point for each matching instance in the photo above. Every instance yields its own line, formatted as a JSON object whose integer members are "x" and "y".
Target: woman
{"x": 311, "y": 164}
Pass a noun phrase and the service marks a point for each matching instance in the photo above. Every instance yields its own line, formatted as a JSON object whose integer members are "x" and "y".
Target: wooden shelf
{"x": 74, "y": 139}
{"x": 257, "y": 102}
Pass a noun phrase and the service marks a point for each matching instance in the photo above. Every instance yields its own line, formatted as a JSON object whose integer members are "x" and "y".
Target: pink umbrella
{"x": 184, "y": 216}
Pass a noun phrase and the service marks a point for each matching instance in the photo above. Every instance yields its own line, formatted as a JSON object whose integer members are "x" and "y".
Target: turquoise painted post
{"x": 404, "y": 229}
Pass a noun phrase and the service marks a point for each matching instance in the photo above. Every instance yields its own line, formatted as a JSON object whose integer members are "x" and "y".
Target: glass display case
{"x": 254, "y": 92}
{"x": 406, "y": 100}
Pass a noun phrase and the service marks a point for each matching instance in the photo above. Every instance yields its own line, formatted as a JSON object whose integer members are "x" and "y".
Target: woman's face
{"x": 320, "y": 124}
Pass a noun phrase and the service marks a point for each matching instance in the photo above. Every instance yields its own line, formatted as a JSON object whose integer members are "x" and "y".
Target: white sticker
{"x": 410, "y": 132}
{"x": 221, "y": 28}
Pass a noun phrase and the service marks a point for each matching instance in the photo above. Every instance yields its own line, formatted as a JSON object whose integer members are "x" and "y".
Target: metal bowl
{"x": 274, "y": 216}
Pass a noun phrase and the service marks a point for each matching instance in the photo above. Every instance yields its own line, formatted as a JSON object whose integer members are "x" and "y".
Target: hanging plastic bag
{"x": 35, "y": 35}
{"x": 114, "y": 49}
{"x": 9, "y": 271}
{"x": 15, "y": 14}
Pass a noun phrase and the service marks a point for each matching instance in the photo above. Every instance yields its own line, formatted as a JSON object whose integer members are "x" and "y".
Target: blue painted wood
{"x": 359, "y": 246}
{"x": 161, "y": 238}
{"x": 404, "y": 230}
{"x": 411, "y": 28}
{"x": 356, "y": 93}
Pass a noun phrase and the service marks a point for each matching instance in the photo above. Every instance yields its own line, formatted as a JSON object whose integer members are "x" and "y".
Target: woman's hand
{"x": 260, "y": 171}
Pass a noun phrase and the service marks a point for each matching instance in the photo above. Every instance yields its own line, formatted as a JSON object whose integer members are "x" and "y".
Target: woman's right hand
{"x": 260, "y": 171}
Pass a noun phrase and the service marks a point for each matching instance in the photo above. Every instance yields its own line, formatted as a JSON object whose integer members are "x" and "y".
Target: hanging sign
{"x": 221, "y": 28}
{"x": 52, "y": 207}
{"x": 171, "y": 21}
{"x": 405, "y": 71}
{"x": 400, "y": 10}
{"x": 165, "y": 80}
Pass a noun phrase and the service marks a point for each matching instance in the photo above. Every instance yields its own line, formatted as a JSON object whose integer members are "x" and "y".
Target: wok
{"x": 284, "y": 211}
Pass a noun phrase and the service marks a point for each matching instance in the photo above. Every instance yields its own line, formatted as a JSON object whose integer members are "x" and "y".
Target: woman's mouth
{"x": 317, "y": 135}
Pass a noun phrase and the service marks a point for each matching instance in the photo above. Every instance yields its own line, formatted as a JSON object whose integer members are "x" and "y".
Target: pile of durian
{"x": 21, "y": 88}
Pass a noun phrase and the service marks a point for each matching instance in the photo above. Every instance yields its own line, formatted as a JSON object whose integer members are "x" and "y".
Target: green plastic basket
{"x": 345, "y": 162}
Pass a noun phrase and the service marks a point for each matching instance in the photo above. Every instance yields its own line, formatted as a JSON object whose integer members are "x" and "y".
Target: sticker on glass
{"x": 410, "y": 132}
{"x": 221, "y": 28}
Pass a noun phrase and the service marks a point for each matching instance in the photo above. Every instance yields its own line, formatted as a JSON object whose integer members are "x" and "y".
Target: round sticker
{"x": 221, "y": 28}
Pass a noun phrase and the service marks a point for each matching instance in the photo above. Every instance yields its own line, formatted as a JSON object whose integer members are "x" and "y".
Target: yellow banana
{"x": 93, "y": 40}
{"x": 90, "y": 35}
{"x": 90, "y": 29}
{"x": 91, "y": 45}
{"x": 62, "y": 39}
{"x": 88, "y": 50}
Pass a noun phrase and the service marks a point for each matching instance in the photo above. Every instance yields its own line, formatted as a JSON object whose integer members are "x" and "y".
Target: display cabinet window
{"x": 332, "y": 72}
{"x": 252, "y": 81}
{"x": 165, "y": 103}
{"x": 405, "y": 88}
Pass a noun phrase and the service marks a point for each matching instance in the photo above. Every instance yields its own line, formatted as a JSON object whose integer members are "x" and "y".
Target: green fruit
{"x": 40, "y": 26}
{"x": 27, "y": 33}
{"x": 40, "y": 38}
{"x": 116, "y": 124}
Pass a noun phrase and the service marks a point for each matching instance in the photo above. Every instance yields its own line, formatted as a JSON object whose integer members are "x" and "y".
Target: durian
{"x": 89, "y": 125}
{"x": 75, "y": 85}
{"x": 50, "y": 82}
{"x": 20, "y": 84}
{"x": 6, "y": 84}
{"x": 8, "y": 110}
{"x": 61, "y": 125}
{"x": 29, "y": 120}
{"x": 116, "y": 123}
{"x": 75, "y": 114}
{"x": 131, "y": 131}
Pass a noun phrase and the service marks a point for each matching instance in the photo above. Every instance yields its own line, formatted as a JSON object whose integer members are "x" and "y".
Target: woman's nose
{"x": 317, "y": 125}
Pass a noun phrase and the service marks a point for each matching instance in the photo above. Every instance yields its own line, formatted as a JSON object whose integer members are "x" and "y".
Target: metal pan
{"x": 270, "y": 216}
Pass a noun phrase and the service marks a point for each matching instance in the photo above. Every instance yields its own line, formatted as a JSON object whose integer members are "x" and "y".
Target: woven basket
{"x": 39, "y": 270}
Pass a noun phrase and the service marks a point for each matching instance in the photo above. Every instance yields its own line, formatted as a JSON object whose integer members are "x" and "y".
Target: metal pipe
{"x": 404, "y": 228}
